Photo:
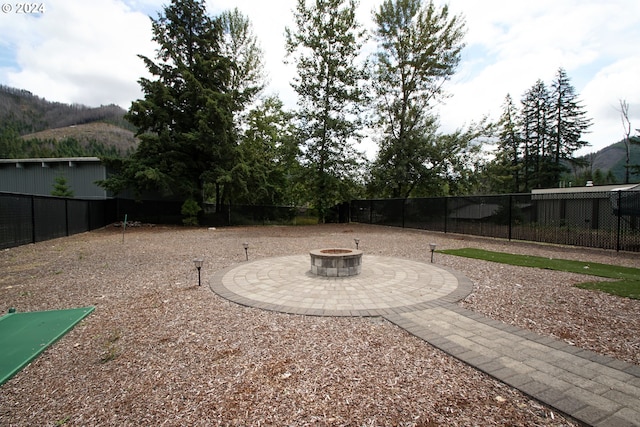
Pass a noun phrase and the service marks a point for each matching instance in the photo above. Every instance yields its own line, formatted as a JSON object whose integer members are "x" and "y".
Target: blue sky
{"x": 86, "y": 52}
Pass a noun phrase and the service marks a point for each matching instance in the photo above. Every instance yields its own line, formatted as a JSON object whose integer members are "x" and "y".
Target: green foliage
{"x": 628, "y": 278}
{"x": 241, "y": 47}
{"x": 325, "y": 45}
{"x": 10, "y": 143}
{"x": 185, "y": 121}
{"x": 12, "y": 146}
{"x": 419, "y": 48}
{"x": 190, "y": 210}
{"x": 538, "y": 141}
{"x": 597, "y": 177}
{"x": 503, "y": 174}
{"x": 268, "y": 172}
{"x": 61, "y": 187}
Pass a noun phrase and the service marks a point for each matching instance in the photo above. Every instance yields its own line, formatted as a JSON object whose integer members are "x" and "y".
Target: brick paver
{"x": 420, "y": 297}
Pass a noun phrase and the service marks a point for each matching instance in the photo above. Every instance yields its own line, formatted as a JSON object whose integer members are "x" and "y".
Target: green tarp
{"x": 23, "y": 336}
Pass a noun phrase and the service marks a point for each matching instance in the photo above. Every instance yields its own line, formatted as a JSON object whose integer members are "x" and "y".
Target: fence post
{"x": 446, "y": 210}
{"x": 510, "y": 214}
{"x": 33, "y": 219}
{"x": 619, "y": 221}
{"x": 66, "y": 216}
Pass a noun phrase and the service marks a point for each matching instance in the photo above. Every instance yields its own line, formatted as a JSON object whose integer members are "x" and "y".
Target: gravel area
{"x": 160, "y": 350}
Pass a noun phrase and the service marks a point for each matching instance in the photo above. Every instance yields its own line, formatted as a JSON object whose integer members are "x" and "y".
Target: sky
{"x": 86, "y": 52}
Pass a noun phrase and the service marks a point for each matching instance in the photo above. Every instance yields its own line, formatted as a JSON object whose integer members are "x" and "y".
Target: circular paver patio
{"x": 385, "y": 286}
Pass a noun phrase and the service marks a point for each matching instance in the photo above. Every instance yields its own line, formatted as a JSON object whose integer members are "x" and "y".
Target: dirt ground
{"x": 160, "y": 350}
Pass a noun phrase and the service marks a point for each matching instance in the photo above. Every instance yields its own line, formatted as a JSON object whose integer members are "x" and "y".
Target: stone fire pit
{"x": 336, "y": 262}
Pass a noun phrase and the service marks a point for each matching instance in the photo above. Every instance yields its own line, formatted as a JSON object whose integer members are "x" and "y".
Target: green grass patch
{"x": 627, "y": 282}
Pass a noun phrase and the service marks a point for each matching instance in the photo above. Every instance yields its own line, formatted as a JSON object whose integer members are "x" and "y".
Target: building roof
{"x": 590, "y": 189}
{"x": 50, "y": 160}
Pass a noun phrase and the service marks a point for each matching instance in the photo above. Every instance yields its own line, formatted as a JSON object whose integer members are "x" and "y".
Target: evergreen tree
{"x": 508, "y": 155}
{"x": 61, "y": 187}
{"x": 569, "y": 122}
{"x": 11, "y": 146}
{"x": 569, "y": 118}
{"x": 536, "y": 131}
{"x": 419, "y": 49}
{"x": 325, "y": 45}
{"x": 552, "y": 123}
{"x": 185, "y": 121}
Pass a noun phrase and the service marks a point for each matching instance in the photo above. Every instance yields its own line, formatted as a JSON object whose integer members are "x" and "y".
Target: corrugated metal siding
{"x": 32, "y": 178}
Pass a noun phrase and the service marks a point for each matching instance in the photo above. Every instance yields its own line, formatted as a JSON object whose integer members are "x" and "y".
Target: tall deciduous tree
{"x": 419, "y": 49}
{"x": 325, "y": 44}
{"x": 268, "y": 169}
{"x": 185, "y": 121}
{"x": 241, "y": 46}
{"x": 626, "y": 125}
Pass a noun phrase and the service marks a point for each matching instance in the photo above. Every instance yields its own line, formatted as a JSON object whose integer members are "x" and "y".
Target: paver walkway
{"x": 420, "y": 297}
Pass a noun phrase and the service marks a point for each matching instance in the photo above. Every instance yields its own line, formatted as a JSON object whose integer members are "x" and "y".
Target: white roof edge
{"x": 594, "y": 189}
{"x": 52, "y": 160}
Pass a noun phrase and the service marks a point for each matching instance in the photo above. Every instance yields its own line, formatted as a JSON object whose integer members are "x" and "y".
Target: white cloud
{"x": 619, "y": 81}
{"x": 80, "y": 52}
{"x": 86, "y": 52}
{"x": 513, "y": 44}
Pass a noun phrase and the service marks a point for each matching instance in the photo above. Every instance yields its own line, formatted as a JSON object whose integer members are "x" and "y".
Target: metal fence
{"x": 28, "y": 219}
{"x": 609, "y": 220}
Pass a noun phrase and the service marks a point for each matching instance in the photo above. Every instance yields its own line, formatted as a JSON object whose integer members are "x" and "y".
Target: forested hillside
{"x": 613, "y": 159}
{"x": 34, "y": 127}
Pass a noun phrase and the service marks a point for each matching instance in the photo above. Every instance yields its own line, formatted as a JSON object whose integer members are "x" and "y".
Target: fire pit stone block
{"x": 336, "y": 262}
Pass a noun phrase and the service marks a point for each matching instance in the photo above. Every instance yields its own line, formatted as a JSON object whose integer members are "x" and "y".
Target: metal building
{"x": 38, "y": 176}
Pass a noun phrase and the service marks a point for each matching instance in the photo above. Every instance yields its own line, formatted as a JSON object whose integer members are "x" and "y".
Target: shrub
{"x": 190, "y": 210}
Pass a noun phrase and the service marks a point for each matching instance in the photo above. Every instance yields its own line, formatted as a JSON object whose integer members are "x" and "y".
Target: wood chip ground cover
{"x": 159, "y": 350}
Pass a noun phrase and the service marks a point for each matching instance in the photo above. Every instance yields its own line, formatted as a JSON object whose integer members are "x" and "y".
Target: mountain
{"x": 123, "y": 140}
{"x": 34, "y": 127}
{"x": 613, "y": 158}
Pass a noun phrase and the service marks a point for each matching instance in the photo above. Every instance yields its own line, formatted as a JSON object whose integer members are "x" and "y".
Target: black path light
{"x": 357, "y": 242}
{"x": 433, "y": 248}
{"x": 246, "y": 250}
{"x": 198, "y": 263}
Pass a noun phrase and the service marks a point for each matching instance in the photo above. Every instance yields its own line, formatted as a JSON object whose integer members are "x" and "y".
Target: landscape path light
{"x": 246, "y": 250}
{"x": 198, "y": 263}
{"x": 433, "y": 248}
{"x": 357, "y": 242}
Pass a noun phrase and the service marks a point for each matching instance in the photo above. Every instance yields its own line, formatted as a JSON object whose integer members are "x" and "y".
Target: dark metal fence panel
{"x": 427, "y": 214}
{"x": 479, "y": 215}
{"x": 579, "y": 219}
{"x": 16, "y": 220}
{"x": 50, "y": 218}
{"x": 360, "y": 211}
{"x": 626, "y": 207}
{"x": 150, "y": 211}
{"x": 258, "y": 215}
{"x": 261, "y": 215}
{"x": 102, "y": 212}
{"x": 387, "y": 212}
{"x": 608, "y": 220}
{"x": 77, "y": 216}
{"x": 27, "y": 219}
